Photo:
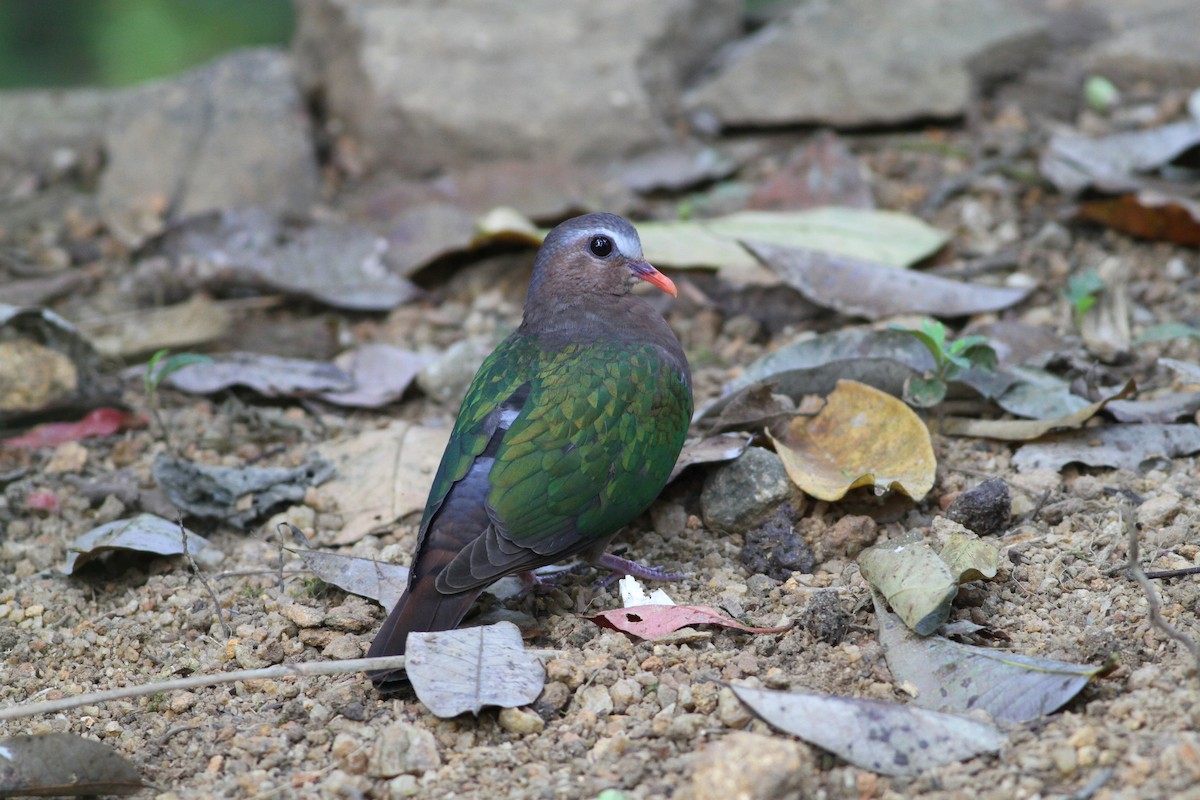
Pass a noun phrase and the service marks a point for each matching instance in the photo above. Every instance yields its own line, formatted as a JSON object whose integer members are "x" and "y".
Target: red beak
{"x": 650, "y": 275}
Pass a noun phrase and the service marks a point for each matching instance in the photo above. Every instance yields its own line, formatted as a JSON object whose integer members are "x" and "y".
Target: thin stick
{"x": 302, "y": 670}
{"x": 1173, "y": 573}
{"x": 187, "y": 551}
{"x": 1156, "y": 617}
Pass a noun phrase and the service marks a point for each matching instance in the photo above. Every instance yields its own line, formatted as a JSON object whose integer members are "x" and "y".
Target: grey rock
{"x": 447, "y": 377}
{"x": 231, "y": 133}
{"x": 864, "y": 62}
{"x": 745, "y": 490}
{"x": 425, "y": 84}
{"x": 1156, "y": 45}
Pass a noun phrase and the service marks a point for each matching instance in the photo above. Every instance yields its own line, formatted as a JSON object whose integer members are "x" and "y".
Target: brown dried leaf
{"x": 655, "y": 621}
{"x": 862, "y": 437}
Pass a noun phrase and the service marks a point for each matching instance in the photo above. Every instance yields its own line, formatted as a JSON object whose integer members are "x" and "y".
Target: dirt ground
{"x": 652, "y": 720}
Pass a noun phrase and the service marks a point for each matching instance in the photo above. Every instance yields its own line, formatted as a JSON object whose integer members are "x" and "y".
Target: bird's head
{"x": 596, "y": 253}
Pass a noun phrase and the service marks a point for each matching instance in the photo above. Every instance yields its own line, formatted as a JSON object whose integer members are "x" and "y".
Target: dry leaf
{"x": 1018, "y": 430}
{"x": 1148, "y": 215}
{"x": 959, "y": 678}
{"x": 918, "y": 584}
{"x": 98, "y": 422}
{"x": 380, "y": 372}
{"x": 655, "y": 621}
{"x": 875, "y": 290}
{"x": 453, "y": 672}
{"x": 888, "y": 738}
{"x": 383, "y": 475}
{"x": 710, "y": 450}
{"x": 970, "y": 558}
{"x": 63, "y": 764}
{"x": 862, "y": 437}
{"x": 1118, "y": 446}
{"x": 145, "y": 533}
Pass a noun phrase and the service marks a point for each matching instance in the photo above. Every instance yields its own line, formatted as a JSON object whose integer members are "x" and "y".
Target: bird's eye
{"x": 601, "y": 246}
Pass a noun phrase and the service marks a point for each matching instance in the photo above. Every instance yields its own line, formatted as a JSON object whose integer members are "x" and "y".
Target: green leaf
{"x": 154, "y": 377}
{"x": 924, "y": 392}
{"x": 1167, "y": 331}
{"x": 928, "y": 336}
{"x": 917, "y": 583}
{"x": 970, "y": 558}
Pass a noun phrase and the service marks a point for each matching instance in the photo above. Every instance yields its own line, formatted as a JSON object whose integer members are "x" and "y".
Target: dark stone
{"x": 775, "y": 549}
{"x": 986, "y": 509}
{"x": 825, "y": 618}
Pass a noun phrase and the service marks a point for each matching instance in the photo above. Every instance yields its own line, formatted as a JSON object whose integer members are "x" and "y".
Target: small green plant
{"x": 949, "y": 359}
{"x": 1082, "y": 292}
{"x": 156, "y": 374}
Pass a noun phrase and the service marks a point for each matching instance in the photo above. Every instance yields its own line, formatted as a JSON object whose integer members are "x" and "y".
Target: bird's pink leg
{"x": 623, "y": 566}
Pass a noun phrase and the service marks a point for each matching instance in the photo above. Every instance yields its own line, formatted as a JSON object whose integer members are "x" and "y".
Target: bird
{"x": 568, "y": 431}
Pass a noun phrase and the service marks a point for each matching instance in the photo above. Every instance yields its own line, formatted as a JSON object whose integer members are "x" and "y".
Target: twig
{"x": 303, "y": 670}
{"x": 187, "y": 551}
{"x": 1173, "y": 573}
{"x": 1156, "y": 617}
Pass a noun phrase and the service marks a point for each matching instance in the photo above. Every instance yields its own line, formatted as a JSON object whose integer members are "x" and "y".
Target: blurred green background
{"x": 47, "y": 43}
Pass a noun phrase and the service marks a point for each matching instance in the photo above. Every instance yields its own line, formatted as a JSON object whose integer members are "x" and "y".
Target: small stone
{"x": 985, "y": 509}
{"x": 731, "y": 711}
{"x": 752, "y": 766}
{"x": 625, "y": 693}
{"x": 848, "y": 537}
{"x": 686, "y": 726}
{"x": 565, "y": 671}
{"x": 775, "y": 549}
{"x": 403, "y": 786}
{"x": 596, "y": 699}
{"x": 403, "y": 749}
{"x": 110, "y": 510}
{"x": 302, "y": 616}
{"x": 1159, "y": 510}
{"x": 745, "y": 490}
{"x": 68, "y": 457}
{"x": 555, "y": 696}
{"x": 520, "y": 721}
{"x": 343, "y": 646}
{"x": 1065, "y": 759}
{"x": 825, "y": 618}
{"x": 182, "y": 702}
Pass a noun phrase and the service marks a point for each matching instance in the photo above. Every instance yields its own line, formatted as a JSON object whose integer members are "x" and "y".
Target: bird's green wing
{"x": 594, "y": 442}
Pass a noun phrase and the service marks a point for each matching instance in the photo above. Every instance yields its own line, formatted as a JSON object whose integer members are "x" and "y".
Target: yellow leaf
{"x": 862, "y": 437}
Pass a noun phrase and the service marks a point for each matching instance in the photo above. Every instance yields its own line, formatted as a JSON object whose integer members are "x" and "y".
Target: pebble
{"x": 302, "y": 616}
{"x": 745, "y": 490}
{"x": 555, "y": 695}
{"x": 732, "y": 712}
{"x": 752, "y": 766}
{"x": 596, "y": 699}
{"x": 68, "y": 457}
{"x": 520, "y": 721}
{"x": 403, "y": 749}
{"x": 985, "y": 509}
{"x": 566, "y": 672}
{"x": 1159, "y": 510}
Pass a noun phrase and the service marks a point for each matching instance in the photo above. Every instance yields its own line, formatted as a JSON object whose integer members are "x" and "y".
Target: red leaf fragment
{"x": 1148, "y": 215}
{"x": 43, "y": 500}
{"x": 652, "y": 622}
{"x": 99, "y": 422}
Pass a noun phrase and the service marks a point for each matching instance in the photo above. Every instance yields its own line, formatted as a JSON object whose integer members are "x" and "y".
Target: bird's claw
{"x": 621, "y": 567}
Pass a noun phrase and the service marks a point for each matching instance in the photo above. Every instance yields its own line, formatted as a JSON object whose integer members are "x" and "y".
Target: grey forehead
{"x": 622, "y": 234}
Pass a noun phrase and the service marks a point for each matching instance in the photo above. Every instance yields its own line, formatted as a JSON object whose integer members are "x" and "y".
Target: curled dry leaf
{"x": 1025, "y": 429}
{"x": 888, "y": 738}
{"x": 47, "y": 364}
{"x": 380, "y": 372}
{"x": 1148, "y": 215}
{"x": 145, "y": 533}
{"x": 862, "y": 437}
{"x": 874, "y": 290}
{"x": 970, "y": 558}
{"x": 1118, "y": 446}
{"x": 270, "y": 376}
{"x": 917, "y": 583}
{"x": 453, "y": 672}
{"x": 710, "y": 450}
{"x": 63, "y": 764}
{"x": 959, "y": 678}
{"x": 653, "y": 621}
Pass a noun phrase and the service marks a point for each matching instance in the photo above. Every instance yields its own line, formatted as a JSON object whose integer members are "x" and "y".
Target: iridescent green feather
{"x": 593, "y": 445}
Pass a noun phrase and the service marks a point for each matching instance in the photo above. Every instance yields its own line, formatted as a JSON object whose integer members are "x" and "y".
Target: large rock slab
{"x": 232, "y": 133}
{"x": 423, "y": 84}
{"x": 869, "y": 62}
{"x": 1153, "y": 40}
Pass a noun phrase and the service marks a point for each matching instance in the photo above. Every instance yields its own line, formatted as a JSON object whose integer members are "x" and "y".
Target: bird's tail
{"x": 421, "y": 608}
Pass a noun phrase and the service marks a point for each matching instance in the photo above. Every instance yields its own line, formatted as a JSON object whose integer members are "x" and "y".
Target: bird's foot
{"x": 545, "y": 582}
{"x": 623, "y": 566}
